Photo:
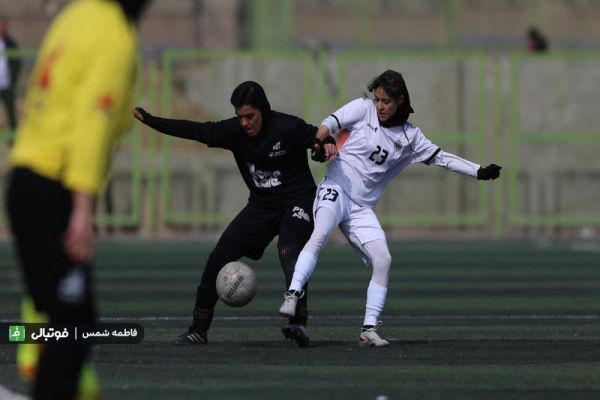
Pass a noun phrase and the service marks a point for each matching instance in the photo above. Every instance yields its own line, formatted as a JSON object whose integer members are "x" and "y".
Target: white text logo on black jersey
{"x": 299, "y": 213}
{"x": 277, "y": 150}
{"x": 264, "y": 179}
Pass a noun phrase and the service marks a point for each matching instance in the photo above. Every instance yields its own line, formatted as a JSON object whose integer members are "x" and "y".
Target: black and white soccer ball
{"x": 236, "y": 284}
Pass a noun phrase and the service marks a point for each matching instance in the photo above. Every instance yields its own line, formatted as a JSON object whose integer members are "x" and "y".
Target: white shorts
{"x": 358, "y": 223}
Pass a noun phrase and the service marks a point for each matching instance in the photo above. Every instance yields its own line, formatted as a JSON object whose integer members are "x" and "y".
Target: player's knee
{"x": 289, "y": 251}
{"x": 318, "y": 239}
{"x": 381, "y": 263}
{"x": 287, "y": 258}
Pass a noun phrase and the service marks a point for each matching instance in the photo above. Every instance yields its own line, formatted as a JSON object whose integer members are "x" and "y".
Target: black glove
{"x": 492, "y": 172}
{"x": 318, "y": 148}
{"x": 142, "y": 113}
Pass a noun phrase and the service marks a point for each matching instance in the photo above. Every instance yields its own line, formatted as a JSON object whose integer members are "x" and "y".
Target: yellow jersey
{"x": 79, "y": 96}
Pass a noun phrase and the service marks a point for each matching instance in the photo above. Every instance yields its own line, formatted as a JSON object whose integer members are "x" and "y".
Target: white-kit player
{"x": 381, "y": 143}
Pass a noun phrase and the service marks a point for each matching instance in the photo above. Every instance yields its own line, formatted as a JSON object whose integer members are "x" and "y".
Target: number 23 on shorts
{"x": 330, "y": 194}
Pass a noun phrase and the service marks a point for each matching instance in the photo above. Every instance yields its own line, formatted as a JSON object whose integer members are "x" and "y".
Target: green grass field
{"x": 467, "y": 320}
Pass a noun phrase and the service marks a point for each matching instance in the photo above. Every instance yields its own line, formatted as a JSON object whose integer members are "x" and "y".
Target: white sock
{"x": 304, "y": 268}
{"x": 376, "y": 295}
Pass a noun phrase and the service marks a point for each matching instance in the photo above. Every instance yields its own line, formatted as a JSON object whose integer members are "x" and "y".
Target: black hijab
{"x": 133, "y": 8}
{"x": 393, "y": 84}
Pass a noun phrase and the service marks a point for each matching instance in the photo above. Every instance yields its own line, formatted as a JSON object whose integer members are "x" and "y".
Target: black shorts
{"x": 256, "y": 226}
{"x": 39, "y": 210}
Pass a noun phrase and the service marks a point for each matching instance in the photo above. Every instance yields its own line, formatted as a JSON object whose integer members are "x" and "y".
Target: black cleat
{"x": 296, "y": 333}
{"x": 192, "y": 336}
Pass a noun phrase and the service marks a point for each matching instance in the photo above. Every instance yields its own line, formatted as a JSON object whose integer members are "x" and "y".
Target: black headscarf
{"x": 252, "y": 94}
{"x": 133, "y": 8}
{"x": 393, "y": 84}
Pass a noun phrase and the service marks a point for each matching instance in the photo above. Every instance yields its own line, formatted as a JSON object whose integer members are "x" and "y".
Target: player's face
{"x": 250, "y": 118}
{"x": 385, "y": 104}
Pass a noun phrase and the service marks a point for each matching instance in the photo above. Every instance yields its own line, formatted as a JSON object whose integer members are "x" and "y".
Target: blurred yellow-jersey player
{"x": 79, "y": 95}
{"x": 77, "y": 103}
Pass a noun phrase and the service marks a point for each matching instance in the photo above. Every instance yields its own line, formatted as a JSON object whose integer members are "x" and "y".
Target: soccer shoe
{"x": 296, "y": 333}
{"x": 192, "y": 336}
{"x": 28, "y": 354}
{"x": 290, "y": 299}
{"x": 89, "y": 386}
{"x": 369, "y": 338}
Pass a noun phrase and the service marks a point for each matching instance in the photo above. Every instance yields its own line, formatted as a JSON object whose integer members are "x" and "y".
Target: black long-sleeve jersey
{"x": 274, "y": 164}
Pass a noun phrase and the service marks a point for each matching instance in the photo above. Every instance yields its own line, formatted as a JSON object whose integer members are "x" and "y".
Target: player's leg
{"x": 28, "y": 355}
{"x": 329, "y": 209}
{"x": 366, "y": 235}
{"x": 58, "y": 288}
{"x": 295, "y": 228}
{"x": 246, "y": 236}
{"x": 74, "y": 304}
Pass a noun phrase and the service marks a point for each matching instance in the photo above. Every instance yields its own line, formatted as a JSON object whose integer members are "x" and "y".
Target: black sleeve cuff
{"x": 435, "y": 153}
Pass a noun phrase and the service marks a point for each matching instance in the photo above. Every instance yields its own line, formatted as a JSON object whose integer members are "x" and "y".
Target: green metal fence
{"x": 573, "y": 77}
{"x": 535, "y": 115}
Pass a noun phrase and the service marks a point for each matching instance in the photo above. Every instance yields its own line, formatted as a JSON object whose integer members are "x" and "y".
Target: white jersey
{"x": 373, "y": 155}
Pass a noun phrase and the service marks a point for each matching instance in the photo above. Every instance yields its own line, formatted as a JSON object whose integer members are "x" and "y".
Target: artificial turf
{"x": 484, "y": 320}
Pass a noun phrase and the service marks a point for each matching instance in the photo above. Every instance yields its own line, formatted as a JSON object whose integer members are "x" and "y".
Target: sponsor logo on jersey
{"x": 264, "y": 179}
{"x": 299, "y": 213}
{"x": 277, "y": 150}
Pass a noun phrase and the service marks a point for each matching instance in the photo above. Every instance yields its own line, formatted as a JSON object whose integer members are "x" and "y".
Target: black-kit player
{"x": 269, "y": 148}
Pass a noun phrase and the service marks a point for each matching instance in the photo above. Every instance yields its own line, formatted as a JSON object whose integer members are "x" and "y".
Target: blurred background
{"x": 504, "y": 81}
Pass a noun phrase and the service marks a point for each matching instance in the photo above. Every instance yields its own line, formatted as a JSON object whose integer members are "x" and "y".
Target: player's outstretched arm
{"x": 490, "y": 172}
{"x": 215, "y": 134}
{"x": 458, "y": 164}
{"x": 172, "y": 127}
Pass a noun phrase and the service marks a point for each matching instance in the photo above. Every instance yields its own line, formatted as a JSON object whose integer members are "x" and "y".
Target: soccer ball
{"x": 236, "y": 284}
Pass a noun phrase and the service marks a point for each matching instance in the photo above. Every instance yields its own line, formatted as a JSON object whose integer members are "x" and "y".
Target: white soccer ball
{"x": 236, "y": 284}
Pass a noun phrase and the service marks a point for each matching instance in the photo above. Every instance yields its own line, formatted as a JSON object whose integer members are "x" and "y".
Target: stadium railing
{"x": 534, "y": 114}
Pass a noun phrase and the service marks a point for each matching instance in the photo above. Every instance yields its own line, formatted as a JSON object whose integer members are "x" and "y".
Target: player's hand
{"x": 330, "y": 150}
{"x": 492, "y": 172}
{"x": 78, "y": 239}
{"x": 139, "y": 113}
{"x": 323, "y": 150}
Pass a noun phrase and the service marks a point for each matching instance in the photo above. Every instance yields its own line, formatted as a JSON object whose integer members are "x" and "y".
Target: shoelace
{"x": 373, "y": 329}
{"x": 294, "y": 293}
